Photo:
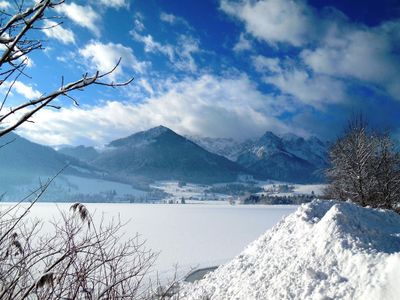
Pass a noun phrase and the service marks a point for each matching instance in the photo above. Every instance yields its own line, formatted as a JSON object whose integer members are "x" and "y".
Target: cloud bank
{"x": 208, "y": 105}
{"x": 330, "y": 47}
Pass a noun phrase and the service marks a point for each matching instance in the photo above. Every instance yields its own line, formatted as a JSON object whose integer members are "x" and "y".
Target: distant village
{"x": 279, "y": 194}
{"x": 186, "y": 193}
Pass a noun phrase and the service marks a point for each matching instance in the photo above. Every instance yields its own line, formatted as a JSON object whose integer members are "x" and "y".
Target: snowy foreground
{"x": 324, "y": 250}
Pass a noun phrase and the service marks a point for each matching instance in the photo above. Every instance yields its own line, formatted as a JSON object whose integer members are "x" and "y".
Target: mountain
{"x": 226, "y": 147}
{"x": 24, "y": 162}
{"x": 312, "y": 150}
{"x": 287, "y": 158}
{"x": 20, "y": 155}
{"x": 83, "y": 153}
{"x": 162, "y": 154}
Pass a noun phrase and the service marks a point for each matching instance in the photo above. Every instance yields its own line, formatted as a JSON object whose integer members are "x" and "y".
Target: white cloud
{"x": 27, "y": 91}
{"x": 114, "y": 3}
{"x": 243, "y": 44}
{"x": 4, "y": 4}
{"x": 168, "y": 18}
{"x": 139, "y": 26}
{"x": 187, "y": 46}
{"x": 180, "y": 55}
{"x": 331, "y": 45}
{"x": 138, "y": 22}
{"x": 150, "y": 45}
{"x": 273, "y": 20}
{"x": 56, "y": 31}
{"x": 264, "y": 64}
{"x": 312, "y": 89}
{"x": 84, "y": 16}
{"x": 174, "y": 20}
{"x": 104, "y": 57}
{"x": 146, "y": 86}
{"x": 209, "y": 105}
{"x": 366, "y": 54}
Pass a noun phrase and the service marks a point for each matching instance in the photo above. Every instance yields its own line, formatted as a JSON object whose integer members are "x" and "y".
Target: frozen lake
{"x": 190, "y": 235}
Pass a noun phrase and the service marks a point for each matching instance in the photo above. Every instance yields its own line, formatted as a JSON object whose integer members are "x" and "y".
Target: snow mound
{"x": 324, "y": 250}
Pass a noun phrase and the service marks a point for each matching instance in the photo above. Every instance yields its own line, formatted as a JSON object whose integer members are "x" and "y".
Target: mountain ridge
{"x": 160, "y": 153}
{"x": 287, "y": 158}
{"x": 23, "y": 162}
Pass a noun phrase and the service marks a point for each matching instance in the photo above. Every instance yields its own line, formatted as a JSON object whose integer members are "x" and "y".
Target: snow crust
{"x": 324, "y": 250}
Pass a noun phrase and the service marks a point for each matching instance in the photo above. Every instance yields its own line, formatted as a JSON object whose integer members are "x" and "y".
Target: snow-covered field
{"x": 190, "y": 192}
{"x": 92, "y": 186}
{"x": 66, "y": 187}
{"x": 307, "y": 189}
{"x": 325, "y": 250}
{"x": 197, "y": 193}
{"x": 188, "y": 235}
{"x": 322, "y": 250}
{"x": 298, "y": 189}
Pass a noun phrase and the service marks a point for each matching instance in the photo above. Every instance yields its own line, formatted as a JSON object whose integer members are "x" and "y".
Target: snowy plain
{"x": 90, "y": 185}
{"x": 70, "y": 186}
{"x": 189, "y": 235}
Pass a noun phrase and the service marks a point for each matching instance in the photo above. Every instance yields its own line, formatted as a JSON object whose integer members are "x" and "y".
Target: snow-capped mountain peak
{"x": 287, "y": 157}
{"x": 226, "y": 147}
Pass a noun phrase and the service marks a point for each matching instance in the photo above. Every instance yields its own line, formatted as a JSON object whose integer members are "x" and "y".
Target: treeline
{"x": 273, "y": 199}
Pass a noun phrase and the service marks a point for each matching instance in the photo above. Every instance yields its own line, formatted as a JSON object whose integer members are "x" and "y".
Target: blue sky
{"x": 218, "y": 68}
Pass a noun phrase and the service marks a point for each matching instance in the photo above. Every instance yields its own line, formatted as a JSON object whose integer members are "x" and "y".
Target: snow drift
{"x": 325, "y": 250}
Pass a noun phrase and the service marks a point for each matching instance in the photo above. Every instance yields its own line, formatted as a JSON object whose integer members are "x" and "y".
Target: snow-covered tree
{"x": 386, "y": 172}
{"x": 365, "y": 167}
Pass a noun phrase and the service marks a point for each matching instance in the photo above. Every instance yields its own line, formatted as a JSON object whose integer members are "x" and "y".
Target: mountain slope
{"x": 161, "y": 154}
{"x": 86, "y": 154}
{"x": 25, "y": 164}
{"x": 23, "y": 161}
{"x": 226, "y": 147}
{"x": 291, "y": 159}
{"x": 312, "y": 150}
{"x": 285, "y": 158}
{"x": 325, "y": 250}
